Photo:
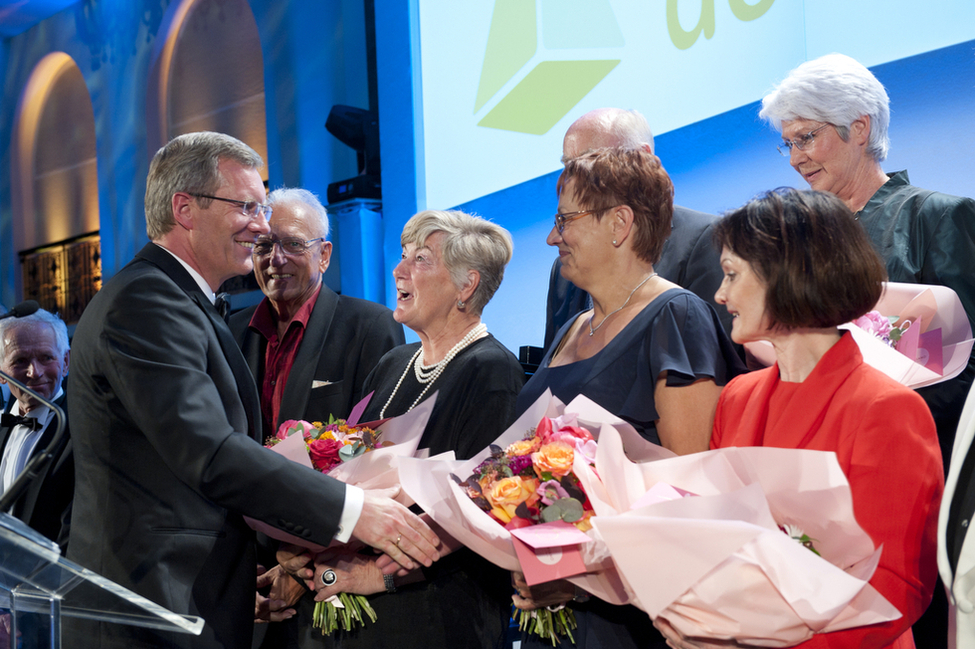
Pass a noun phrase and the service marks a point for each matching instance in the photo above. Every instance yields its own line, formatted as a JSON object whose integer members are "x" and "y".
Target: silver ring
{"x": 329, "y": 577}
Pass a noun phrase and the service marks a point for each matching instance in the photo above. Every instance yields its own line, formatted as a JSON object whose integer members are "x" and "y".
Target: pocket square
{"x": 319, "y": 384}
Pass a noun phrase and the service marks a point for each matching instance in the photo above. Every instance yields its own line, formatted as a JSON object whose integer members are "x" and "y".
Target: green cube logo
{"x": 554, "y": 85}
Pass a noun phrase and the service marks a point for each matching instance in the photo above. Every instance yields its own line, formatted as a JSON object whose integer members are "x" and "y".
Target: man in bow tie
{"x": 34, "y": 350}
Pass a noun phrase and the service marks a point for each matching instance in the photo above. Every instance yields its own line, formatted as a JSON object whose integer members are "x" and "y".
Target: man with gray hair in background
{"x": 689, "y": 259}
{"x": 34, "y": 350}
{"x": 310, "y": 351}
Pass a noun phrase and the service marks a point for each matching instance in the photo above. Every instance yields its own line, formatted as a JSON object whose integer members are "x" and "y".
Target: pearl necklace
{"x": 645, "y": 280}
{"x": 427, "y": 374}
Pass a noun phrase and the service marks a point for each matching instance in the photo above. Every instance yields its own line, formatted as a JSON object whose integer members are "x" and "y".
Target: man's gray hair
{"x": 287, "y": 195}
{"x": 38, "y": 317}
{"x": 189, "y": 163}
{"x": 835, "y": 89}
{"x": 470, "y": 243}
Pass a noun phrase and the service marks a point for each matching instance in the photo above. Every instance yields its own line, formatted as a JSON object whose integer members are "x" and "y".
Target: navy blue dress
{"x": 677, "y": 333}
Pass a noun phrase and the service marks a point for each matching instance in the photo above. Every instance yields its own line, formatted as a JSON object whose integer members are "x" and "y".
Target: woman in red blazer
{"x": 796, "y": 265}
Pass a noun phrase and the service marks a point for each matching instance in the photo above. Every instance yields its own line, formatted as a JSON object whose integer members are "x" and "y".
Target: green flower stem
{"x": 328, "y": 617}
{"x": 548, "y": 625}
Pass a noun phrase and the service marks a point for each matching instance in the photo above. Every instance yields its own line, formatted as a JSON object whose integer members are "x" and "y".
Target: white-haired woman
{"x": 452, "y": 264}
{"x": 833, "y": 115}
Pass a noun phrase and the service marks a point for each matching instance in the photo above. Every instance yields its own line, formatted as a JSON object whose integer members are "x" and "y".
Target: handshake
{"x": 406, "y": 543}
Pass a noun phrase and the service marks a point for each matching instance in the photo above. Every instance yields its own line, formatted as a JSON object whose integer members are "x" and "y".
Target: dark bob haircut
{"x": 815, "y": 259}
{"x": 605, "y": 178}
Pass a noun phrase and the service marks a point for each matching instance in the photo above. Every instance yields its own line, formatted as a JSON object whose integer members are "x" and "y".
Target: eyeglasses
{"x": 800, "y": 142}
{"x": 562, "y": 218}
{"x": 290, "y": 247}
{"x": 250, "y": 208}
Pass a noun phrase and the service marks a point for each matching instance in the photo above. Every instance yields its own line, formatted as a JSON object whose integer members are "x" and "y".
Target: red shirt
{"x": 279, "y": 356}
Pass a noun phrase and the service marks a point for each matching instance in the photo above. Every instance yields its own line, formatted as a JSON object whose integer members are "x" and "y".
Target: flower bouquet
{"x": 730, "y": 532}
{"x": 364, "y": 455}
{"x": 522, "y": 506}
{"x": 917, "y": 334}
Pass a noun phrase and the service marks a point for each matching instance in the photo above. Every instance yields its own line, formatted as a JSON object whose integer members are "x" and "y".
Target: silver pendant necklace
{"x": 593, "y": 330}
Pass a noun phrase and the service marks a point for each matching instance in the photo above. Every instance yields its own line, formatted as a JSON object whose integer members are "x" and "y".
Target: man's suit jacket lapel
{"x": 23, "y": 509}
{"x": 246, "y": 387}
{"x": 298, "y": 388}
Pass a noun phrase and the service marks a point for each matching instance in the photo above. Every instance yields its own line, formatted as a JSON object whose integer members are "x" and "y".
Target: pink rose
{"x": 294, "y": 425}
{"x": 874, "y": 323}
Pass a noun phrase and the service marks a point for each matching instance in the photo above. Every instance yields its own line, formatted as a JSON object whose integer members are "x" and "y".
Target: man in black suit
{"x": 166, "y": 419}
{"x": 688, "y": 259}
{"x": 34, "y": 350}
{"x": 309, "y": 349}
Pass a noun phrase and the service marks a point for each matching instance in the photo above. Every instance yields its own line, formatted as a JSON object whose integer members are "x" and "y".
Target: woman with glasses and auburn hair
{"x": 797, "y": 265}
{"x": 452, "y": 264}
{"x": 648, "y": 351}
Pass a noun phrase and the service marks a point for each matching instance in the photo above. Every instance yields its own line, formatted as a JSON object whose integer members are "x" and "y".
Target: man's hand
{"x": 390, "y": 527}
{"x": 551, "y": 593}
{"x": 271, "y": 609}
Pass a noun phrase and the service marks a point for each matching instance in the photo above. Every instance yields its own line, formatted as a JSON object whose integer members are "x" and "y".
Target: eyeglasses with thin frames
{"x": 800, "y": 142}
{"x": 250, "y": 208}
{"x": 290, "y": 247}
{"x": 562, "y": 218}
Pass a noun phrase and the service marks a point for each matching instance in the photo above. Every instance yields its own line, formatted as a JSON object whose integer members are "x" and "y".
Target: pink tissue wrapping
{"x": 936, "y": 306}
{"x": 429, "y": 483}
{"x": 717, "y": 566}
{"x": 376, "y": 469}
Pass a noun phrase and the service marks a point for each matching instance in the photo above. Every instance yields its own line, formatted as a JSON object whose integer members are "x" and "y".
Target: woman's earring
{"x": 614, "y": 242}
{"x": 460, "y": 304}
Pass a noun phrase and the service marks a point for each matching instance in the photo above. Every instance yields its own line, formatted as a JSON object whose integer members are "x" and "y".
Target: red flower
{"x": 324, "y": 453}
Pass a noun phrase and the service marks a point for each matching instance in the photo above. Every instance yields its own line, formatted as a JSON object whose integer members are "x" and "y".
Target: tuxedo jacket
{"x": 954, "y": 522}
{"x": 165, "y": 420}
{"x": 46, "y": 505}
{"x": 344, "y": 339}
{"x": 689, "y": 259}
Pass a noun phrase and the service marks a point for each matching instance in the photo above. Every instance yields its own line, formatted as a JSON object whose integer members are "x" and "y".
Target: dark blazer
{"x": 165, "y": 420}
{"x": 46, "y": 505}
{"x": 689, "y": 260}
{"x": 344, "y": 339}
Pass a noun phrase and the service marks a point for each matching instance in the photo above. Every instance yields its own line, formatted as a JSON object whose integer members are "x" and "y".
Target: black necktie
{"x": 8, "y": 420}
{"x": 222, "y": 304}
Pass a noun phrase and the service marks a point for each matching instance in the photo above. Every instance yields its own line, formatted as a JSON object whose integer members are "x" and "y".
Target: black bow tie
{"x": 8, "y": 420}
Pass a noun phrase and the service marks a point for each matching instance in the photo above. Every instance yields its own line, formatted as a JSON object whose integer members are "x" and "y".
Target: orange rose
{"x": 555, "y": 458}
{"x": 522, "y": 447}
{"x": 506, "y": 494}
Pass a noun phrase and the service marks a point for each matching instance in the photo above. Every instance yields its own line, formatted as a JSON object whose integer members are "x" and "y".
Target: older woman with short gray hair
{"x": 451, "y": 266}
{"x": 833, "y": 115}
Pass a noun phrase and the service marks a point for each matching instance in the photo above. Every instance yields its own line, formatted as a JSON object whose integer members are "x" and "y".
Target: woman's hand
{"x": 354, "y": 573}
{"x": 678, "y": 641}
{"x": 551, "y": 593}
